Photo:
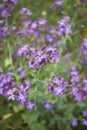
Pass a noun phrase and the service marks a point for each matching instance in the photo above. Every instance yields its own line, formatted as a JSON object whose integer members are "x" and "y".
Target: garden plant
{"x": 43, "y": 65}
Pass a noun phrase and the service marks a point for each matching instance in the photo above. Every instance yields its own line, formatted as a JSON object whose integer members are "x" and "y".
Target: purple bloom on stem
{"x": 23, "y": 50}
{"x": 27, "y": 83}
{"x": 82, "y": 1}
{"x": 30, "y": 105}
{"x": 1, "y": 70}
{"x": 79, "y": 96}
{"x": 42, "y": 21}
{"x": 58, "y": 80}
{"x": 84, "y": 122}
{"x": 84, "y": 113}
{"x": 49, "y": 38}
{"x": 11, "y": 94}
{"x": 1, "y": 21}
{"x": 57, "y": 4}
{"x": 74, "y": 76}
{"x": 74, "y": 122}
{"x": 64, "y": 27}
{"x": 83, "y": 47}
{"x": 3, "y": 31}
{"x": 22, "y": 97}
{"x": 25, "y": 11}
{"x": 58, "y": 91}
{"x": 85, "y": 86}
{"x": 48, "y": 105}
{"x": 11, "y": 1}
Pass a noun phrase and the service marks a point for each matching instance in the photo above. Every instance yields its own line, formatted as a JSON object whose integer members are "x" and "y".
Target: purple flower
{"x": 84, "y": 113}
{"x": 57, "y": 4}
{"x": 74, "y": 76}
{"x": 11, "y": 1}
{"x": 58, "y": 86}
{"x": 23, "y": 50}
{"x": 58, "y": 80}
{"x": 49, "y": 38}
{"x": 38, "y": 57}
{"x": 22, "y": 72}
{"x": 7, "y": 83}
{"x": 58, "y": 91}
{"x": 83, "y": 46}
{"x": 3, "y": 31}
{"x": 24, "y": 87}
{"x": 85, "y": 86}
{"x": 1, "y": 21}
{"x": 79, "y": 96}
{"x": 25, "y": 11}
{"x": 82, "y": 1}
{"x": 48, "y": 105}
{"x": 27, "y": 83}
{"x": 1, "y": 70}
{"x": 64, "y": 27}
{"x": 30, "y": 105}
{"x": 42, "y": 21}
{"x": 84, "y": 122}
{"x": 74, "y": 122}
{"x": 11, "y": 94}
{"x": 75, "y": 90}
{"x": 22, "y": 97}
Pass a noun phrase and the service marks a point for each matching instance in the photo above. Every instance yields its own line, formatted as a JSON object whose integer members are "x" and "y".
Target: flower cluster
{"x": 76, "y": 91}
{"x": 74, "y": 76}
{"x": 5, "y": 12}
{"x": 10, "y": 88}
{"x": 37, "y": 58}
{"x": 75, "y": 121}
{"x": 64, "y": 27}
{"x": 58, "y": 86}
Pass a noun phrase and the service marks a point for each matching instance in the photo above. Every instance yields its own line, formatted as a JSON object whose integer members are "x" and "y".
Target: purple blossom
{"x": 1, "y": 21}
{"x": 11, "y": 1}
{"x": 82, "y": 1}
{"x": 84, "y": 113}
{"x": 85, "y": 86}
{"x": 64, "y": 27}
{"x": 84, "y": 122}
{"x": 22, "y": 72}
{"x": 57, "y": 4}
{"x": 30, "y": 105}
{"x": 25, "y": 11}
{"x": 27, "y": 83}
{"x": 48, "y": 105}
{"x": 23, "y": 50}
{"x": 3, "y": 31}
{"x": 6, "y": 83}
{"x": 74, "y": 76}
{"x": 49, "y": 38}
{"x": 58, "y": 86}
{"x": 79, "y": 96}
{"x": 22, "y": 97}
{"x": 11, "y": 93}
{"x": 74, "y": 122}
{"x": 1, "y": 70}
{"x": 58, "y": 91}
{"x": 83, "y": 46}
{"x": 38, "y": 57}
{"x": 42, "y": 21}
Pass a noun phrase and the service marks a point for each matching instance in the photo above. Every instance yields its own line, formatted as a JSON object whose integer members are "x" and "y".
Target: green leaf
{"x": 38, "y": 126}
